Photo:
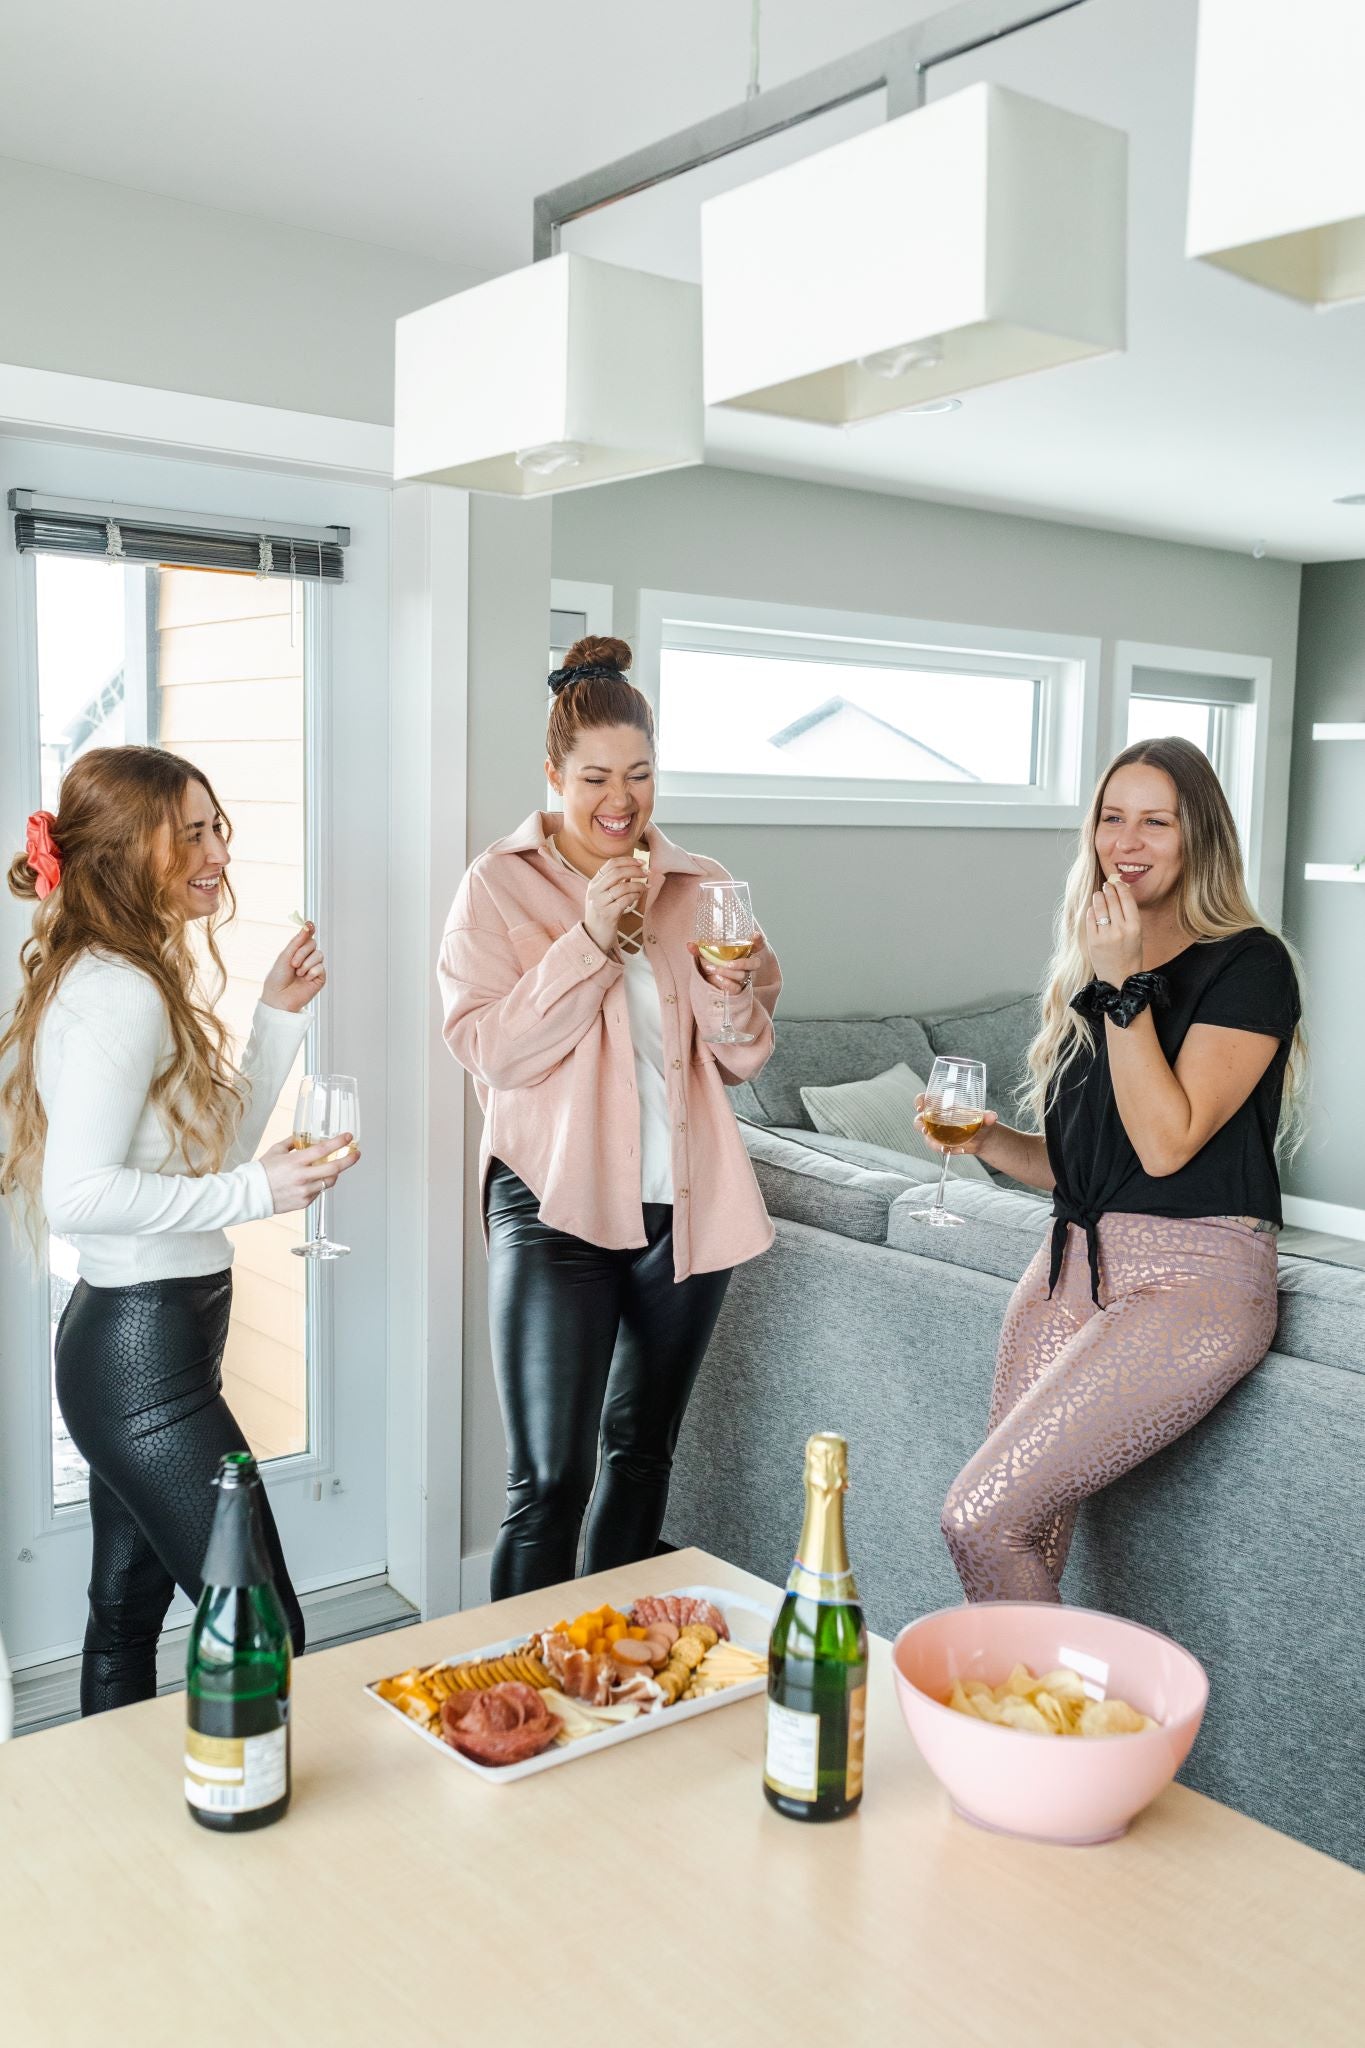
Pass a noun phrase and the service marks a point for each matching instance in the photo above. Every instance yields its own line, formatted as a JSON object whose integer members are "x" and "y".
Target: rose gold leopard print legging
{"x": 1083, "y": 1394}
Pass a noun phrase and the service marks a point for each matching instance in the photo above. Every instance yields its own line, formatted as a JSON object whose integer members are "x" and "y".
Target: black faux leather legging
{"x": 587, "y": 1344}
{"x": 140, "y": 1387}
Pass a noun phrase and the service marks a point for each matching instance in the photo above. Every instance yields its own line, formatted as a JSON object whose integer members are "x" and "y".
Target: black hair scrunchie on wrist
{"x": 1101, "y": 999}
{"x": 588, "y": 670}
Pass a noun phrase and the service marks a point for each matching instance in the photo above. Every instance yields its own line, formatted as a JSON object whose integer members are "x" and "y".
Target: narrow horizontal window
{"x": 138, "y": 536}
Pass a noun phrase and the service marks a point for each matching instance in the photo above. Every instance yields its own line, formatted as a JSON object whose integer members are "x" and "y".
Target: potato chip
{"x": 1056, "y": 1704}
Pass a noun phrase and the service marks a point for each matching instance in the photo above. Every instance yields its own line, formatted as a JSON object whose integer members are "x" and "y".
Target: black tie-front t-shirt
{"x": 1246, "y": 983}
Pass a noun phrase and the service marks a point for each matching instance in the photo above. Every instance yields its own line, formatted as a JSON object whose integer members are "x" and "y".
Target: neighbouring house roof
{"x": 832, "y": 706}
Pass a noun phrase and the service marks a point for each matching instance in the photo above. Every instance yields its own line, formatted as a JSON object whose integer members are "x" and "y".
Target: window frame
{"x": 1067, "y": 666}
{"x": 1240, "y": 725}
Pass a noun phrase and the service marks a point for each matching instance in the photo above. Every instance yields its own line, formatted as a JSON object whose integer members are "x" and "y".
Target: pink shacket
{"x": 536, "y": 1012}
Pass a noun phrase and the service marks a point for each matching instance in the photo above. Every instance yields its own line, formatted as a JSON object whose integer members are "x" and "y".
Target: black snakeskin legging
{"x": 140, "y": 1387}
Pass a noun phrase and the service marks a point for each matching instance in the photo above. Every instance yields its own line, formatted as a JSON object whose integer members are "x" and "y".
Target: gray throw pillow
{"x": 882, "y": 1112}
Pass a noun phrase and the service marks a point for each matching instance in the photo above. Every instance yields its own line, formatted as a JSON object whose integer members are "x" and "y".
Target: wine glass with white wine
{"x": 954, "y": 1111}
{"x": 328, "y": 1105}
{"x": 725, "y": 932}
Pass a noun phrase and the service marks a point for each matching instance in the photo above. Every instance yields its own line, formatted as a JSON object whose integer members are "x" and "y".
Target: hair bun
{"x": 594, "y": 656}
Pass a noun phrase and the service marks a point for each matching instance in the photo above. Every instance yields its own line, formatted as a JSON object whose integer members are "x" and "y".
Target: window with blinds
{"x": 137, "y": 535}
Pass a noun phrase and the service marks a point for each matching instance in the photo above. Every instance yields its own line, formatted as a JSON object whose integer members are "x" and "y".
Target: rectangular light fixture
{"x": 977, "y": 239}
{"x": 567, "y": 373}
{"x": 1277, "y": 167}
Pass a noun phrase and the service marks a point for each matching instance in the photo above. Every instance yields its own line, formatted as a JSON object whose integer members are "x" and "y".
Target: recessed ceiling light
{"x": 935, "y": 405}
{"x": 1355, "y": 498}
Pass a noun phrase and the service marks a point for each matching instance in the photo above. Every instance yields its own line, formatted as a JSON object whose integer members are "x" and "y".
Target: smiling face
{"x": 199, "y": 857}
{"x": 606, "y": 786}
{"x": 1138, "y": 833}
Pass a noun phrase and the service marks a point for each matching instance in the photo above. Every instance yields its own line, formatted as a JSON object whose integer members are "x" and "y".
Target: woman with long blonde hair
{"x": 1168, "y": 1073}
{"x": 129, "y": 1132}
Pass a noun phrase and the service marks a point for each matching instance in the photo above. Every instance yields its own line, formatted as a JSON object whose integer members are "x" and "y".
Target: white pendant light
{"x": 1277, "y": 167}
{"x": 567, "y": 373}
{"x": 974, "y": 240}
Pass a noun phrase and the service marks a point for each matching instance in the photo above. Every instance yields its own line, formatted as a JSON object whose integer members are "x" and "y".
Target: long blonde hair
{"x": 1211, "y": 903}
{"x": 116, "y": 897}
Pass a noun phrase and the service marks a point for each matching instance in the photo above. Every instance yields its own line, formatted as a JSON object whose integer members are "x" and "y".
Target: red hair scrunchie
{"x": 44, "y": 860}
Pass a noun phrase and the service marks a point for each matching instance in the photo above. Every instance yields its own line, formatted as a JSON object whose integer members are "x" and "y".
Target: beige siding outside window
{"x": 230, "y": 697}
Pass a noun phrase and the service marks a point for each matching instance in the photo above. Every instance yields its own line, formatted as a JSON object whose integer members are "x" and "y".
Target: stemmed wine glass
{"x": 954, "y": 1111}
{"x": 725, "y": 932}
{"x": 328, "y": 1104}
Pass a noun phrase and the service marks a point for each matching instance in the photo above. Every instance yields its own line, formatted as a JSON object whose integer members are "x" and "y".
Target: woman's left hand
{"x": 1114, "y": 932}
{"x": 298, "y": 975}
{"x": 733, "y": 976}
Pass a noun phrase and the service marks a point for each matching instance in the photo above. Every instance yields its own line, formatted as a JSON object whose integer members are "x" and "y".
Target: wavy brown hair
{"x": 1211, "y": 903}
{"x": 118, "y": 834}
{"x": 596, "y": 701}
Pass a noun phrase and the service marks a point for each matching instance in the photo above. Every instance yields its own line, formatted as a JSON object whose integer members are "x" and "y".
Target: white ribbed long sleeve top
{"x": 114, "y": 1183}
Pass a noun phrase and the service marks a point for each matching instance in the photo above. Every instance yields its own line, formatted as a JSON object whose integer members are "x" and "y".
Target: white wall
{"x": 877, "y": 921}
{"x": 509, "y": 624}
{"x": 102, "y": 281}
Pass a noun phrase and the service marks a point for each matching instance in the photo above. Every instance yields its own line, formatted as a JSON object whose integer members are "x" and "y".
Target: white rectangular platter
{"x": 749, "y": 1623}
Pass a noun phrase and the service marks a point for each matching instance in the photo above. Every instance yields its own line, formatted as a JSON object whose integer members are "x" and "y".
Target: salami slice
{"x": 506, "y": 1724}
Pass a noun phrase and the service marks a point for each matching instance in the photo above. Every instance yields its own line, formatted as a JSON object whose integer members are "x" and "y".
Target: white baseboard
{"x": 1334, "y": 1217}
{"x": 474, "y": 1572}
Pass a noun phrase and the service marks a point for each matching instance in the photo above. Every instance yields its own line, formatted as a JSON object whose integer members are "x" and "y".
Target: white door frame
{"x": 422, "y": 1220}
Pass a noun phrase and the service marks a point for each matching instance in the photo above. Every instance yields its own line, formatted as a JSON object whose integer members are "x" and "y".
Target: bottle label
{"x": 857, "y": 1727}
{"x": 235, "y": 1773}
{"x": 793, "y": 1759}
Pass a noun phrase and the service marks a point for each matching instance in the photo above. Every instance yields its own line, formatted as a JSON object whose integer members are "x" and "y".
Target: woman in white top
{"x": 128, "y": 1129}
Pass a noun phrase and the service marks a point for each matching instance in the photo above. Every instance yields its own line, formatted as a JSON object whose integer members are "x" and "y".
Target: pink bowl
{"x": 1048, "y": 1788}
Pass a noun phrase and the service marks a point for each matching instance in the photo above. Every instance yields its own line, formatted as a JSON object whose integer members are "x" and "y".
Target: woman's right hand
{"x": 972, "y": 1145}
{"x": 617, "y": 886}
{"x": 298, "y": 1176}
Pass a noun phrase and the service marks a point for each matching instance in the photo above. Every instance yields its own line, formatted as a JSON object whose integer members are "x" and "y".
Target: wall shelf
{"x": 1339, "y": 732}
{"x": 1316, "y": 872}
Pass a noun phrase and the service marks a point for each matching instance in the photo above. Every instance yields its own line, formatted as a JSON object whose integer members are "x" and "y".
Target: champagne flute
{"x": 954, "y": 1111}
{"x": 328, "y": 1104}
{"x": 725, "y": 933}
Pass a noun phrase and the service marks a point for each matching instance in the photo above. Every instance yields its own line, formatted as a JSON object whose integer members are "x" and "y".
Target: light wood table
{"x": 404, "y": 1900}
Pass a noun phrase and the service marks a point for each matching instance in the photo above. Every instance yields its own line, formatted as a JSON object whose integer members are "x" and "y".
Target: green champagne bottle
{"x": 817, "y": 1659}
{"x": 239, "y": 1668}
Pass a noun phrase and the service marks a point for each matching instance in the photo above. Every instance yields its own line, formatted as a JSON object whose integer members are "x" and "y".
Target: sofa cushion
{"x": 881, "y": 1112}
{"x": 824, "y": 1052}
{"x": 997, "y": 1031}
{"x": 1322, "y": 1313}
{"x": 829, "y": 1194}
{"x": 1000, "y": 1233}
{"x": 876, "y": 1157}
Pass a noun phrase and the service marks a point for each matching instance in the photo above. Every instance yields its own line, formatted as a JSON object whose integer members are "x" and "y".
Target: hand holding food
{"x": 618, "y": 886}
{"x": 298, "y": 975}
{"x": 1113, "y": 932}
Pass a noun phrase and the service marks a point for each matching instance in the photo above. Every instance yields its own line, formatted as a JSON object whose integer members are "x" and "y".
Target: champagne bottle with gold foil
{"x": 239, "y": 1668}
{"x": 817, "y": 1659}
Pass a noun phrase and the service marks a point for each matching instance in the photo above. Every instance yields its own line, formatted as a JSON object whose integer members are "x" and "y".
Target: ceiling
{"x": 1234, "y": 419}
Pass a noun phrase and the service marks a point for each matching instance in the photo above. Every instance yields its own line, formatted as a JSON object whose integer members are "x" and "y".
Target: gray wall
{"x": 1327, "y": 919}
{"x": 872, "y": 920}
{"x": 101, "y": 281}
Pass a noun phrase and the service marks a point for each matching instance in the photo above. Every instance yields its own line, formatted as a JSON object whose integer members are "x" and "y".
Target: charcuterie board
{"x": 418, "y": 1698}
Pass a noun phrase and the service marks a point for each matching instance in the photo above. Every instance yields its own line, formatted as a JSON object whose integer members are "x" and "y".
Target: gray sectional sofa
{"x": 1245, "y": 1540}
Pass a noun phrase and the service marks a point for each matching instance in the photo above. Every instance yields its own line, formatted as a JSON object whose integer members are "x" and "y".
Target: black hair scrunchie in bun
{"x": 586, "y": 671}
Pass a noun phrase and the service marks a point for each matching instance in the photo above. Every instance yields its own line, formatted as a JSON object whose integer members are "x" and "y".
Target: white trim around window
{"x": 1066, "y": 667}
{"x": 1236, "y": 687}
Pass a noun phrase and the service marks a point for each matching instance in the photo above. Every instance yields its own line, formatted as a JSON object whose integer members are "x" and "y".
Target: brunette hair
{"x": 115, "y": 897}
{"x": 1211, "y": 903}
{"x": 591, "y": 691}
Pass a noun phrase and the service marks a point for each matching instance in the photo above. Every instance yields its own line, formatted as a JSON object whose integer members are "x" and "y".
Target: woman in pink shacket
{"x": 617, "y": 1191}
